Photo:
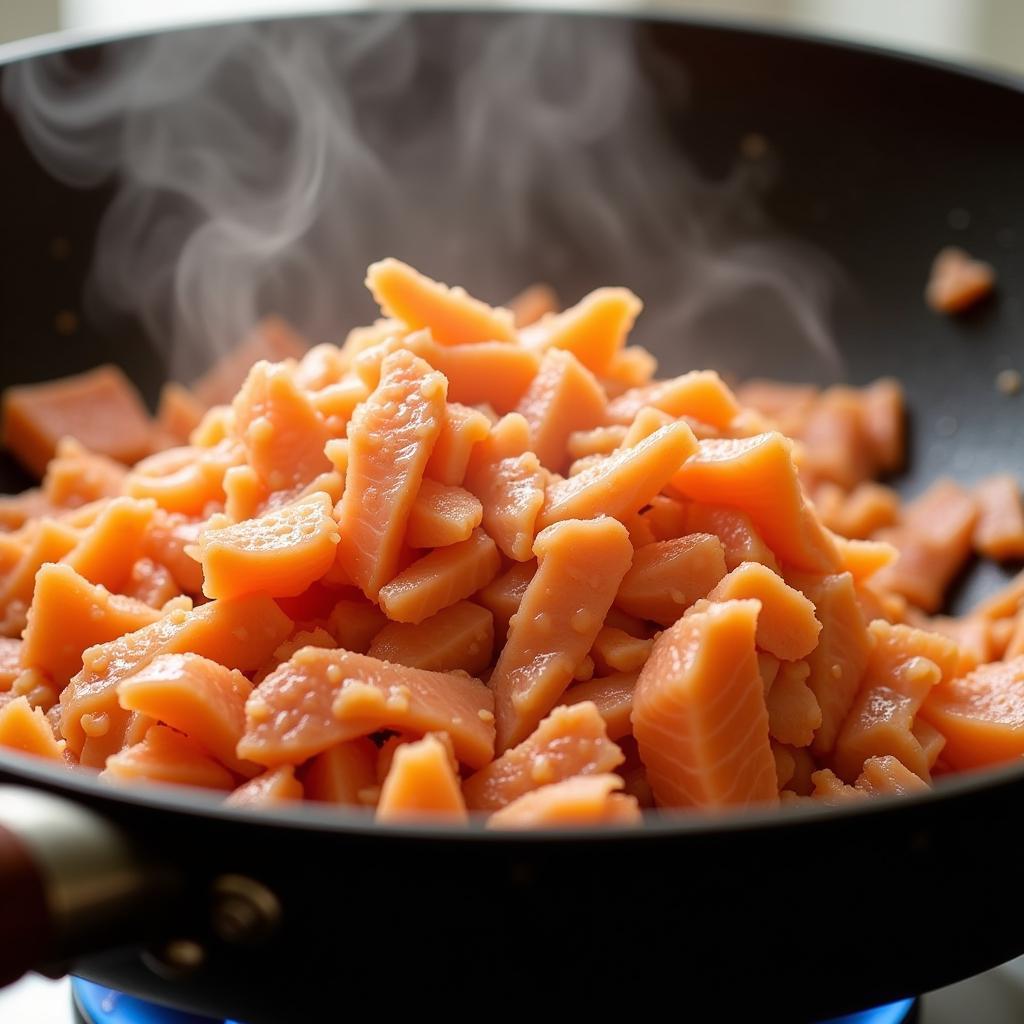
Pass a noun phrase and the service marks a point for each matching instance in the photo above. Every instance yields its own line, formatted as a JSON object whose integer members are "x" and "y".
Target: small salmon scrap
{"x": 583, "y": 801}
{"x": 958, "y": 281}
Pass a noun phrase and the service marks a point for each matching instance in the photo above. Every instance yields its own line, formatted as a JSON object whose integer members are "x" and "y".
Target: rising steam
{"x": 262, "y": 167}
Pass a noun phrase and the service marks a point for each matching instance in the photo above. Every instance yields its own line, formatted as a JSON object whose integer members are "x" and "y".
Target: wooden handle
{"x": 26, "y": 930}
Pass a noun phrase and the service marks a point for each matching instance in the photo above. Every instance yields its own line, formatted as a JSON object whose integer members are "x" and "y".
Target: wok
{"x": 305, "y": 912}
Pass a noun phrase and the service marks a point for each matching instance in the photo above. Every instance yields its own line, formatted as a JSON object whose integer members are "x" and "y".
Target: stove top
{"x": 995, "y": 997}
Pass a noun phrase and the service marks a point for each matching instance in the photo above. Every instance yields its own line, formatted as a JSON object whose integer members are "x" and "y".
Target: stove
{"x": 995, "y": 997}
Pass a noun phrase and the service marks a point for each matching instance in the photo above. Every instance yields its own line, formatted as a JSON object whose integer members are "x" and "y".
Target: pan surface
{"x": 878, "y": 161}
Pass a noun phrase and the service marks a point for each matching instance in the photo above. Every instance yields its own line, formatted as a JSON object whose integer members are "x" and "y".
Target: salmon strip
{"x": 279, "y": 553}
{"x": 533, "y": 303}
{"x": 580, "y": 566}
{"x": 861, "y": 512}
{"x": 623, "y": 482}
{"x": 49, "y": 541}
{"x": 741, "y": 542}
{"x": 885, "y": 422}
{"x": 25, "y": 728}
{"x": 793, "y": 712}
{"x": 570, "y": 741}
{"x": 151, "y": 583}
{"x": 579, "y": 802}
{"x": 462, "y": 428}
{"x": 599, "y": 441}
{"x": 757, "y": 476}
{"x": 282, "y": 434}
{"x": 562, "y": 398}
{"x": 699, "y": 712}
{"x": 35, "y": 417}
{"x": 700, "y": 394}
{"x": 785, "y": 763}
{"x": 341, "y": 773}
{"x": 168, "y": 540}
{"x": 931, "y": 740}
{"x": 887, "y": 776}
{"x": 593, "y": 330}
{"x": 391, "y": 437}
{"x": 862, "y": 559}
{"x": 786, "y": 625}
{"x": 354, "y": 622}
{"x": 630, "y": 367}
{"x": 666, "y": 577}
{"x": 10, "y": 662}
{"x": 421, "y": 785}
{"x": 896, "y": 643}
{"x": 503, "y": 595}
{"x": 452, "y": 316}
{"x": 317, "y": 637}
{"x": 460, "y": 636}
{"x": 441, "y": 578}
{"x": 166, "y": 756}
{"x": 442, "y": 515}
{"x": 76, "y": 476}
{"x": 195, "y": 696}
{"x": 319, "y": 698}
{"x": 178, "y": 413}
{"x": 615, "y": 650}
{"x": 999, "y": 530}
{"x": 834, "y": 439}
{"x": 276, "y": 786}
{"x": 667, "y": 518}
{"x": 186, "y": 479}
{"x": 69, "y": 614}
{"x": 612, "y": 695}
{"x": 110, "y": 547}
{"x": 508, "y": 480}
{"x": 239, "y": 634}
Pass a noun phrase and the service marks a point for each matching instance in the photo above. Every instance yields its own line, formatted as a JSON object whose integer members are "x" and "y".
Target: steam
{"x": 260, "y": 168}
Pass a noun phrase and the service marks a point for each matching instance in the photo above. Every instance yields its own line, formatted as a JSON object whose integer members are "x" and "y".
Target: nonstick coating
{"x": 800, "y": 915}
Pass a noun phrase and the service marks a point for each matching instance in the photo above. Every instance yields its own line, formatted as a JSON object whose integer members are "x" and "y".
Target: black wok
{"x": 305, "y": 913}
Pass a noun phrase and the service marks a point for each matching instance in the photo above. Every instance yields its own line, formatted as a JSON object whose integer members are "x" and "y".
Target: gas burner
{"x": 95, "y": 1004}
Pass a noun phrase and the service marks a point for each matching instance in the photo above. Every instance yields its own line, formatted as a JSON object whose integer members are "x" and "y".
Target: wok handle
{"x": 71, "y": 882}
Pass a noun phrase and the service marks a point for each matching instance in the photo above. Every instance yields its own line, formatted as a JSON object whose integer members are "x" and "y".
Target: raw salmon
{"x": 957, "y": 281}
{"x": 341, "y": 773}
{"x": 354, "y": 622}
{"x": 460, "y": 636}
{"x": 186, "y": 479}
{"x": 700, "y": 394}
{"x": 612, "y": 695}
{"x": 615, "y": 650}
{"x": 532, "y": 303}
{"x": 580, "y": 802}
{"x": 999, "y": 530}
{"x": 76, "y": 476}
{"x": 167, "y": 756}
{"x": 442, "y": 515}
{"x": 421, "y": 785}
{"x": 462, "y": 428}
{"x": 270, "y": 788}
{"x": 503, "y": 595}
{"x": 25, "y": 728}
{"x": 793, "y": 712}
{"x": 741, "y": 542}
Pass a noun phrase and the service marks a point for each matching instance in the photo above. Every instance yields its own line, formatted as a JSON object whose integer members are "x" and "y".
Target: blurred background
{"x": 988, "y": 32}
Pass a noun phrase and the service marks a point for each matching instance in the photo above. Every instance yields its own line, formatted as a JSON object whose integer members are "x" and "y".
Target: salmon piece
{"x": 462, "y": 428}
{"x": 493, "y": 372}
{"x": 957, "y": 281}
{"x": 49, "y": 541}
{"x": 239, "y": 634}
{"x": 10, "y": 662}
{"x": 316, "y": 637}
{"x": 768, "y": 668}
{"x": 631, "y": 367}
{"x": 666, "y": 577}
{"x": 508, "y": 480}
{"x": 615, "y": 650}
{"x": 1004, "y": 602}
{"x": 109, "y": 548}
{"x": 460, "y": 636}
{"x": 18, "y": 509}
{"x": 785, "y": 764}
{"x": 69, "y": 614}
{"x": 184, "y": 480}
{"x": 354, "y": 622}
{"x": 831, "y": 790}
{"x": 245, "y": 494}
{"x": 863, "y": 558}
{"x": 36, "y": 416}
{"x": 857, "y": 515}
{"x": 593, "y": 330}
{"x": 532, "y": 303}
{"x": 442, "y": 515}
{"x": 881, "y": 719}
{"x": 886, "y": 776}
{"x": 359, "y": 339}
{"x": 216, "y": 426}
{"x": 793, "y": 712}
{"x": 804, "y": 767}
{"x": 741, "y": 542}
{"x": 25, "y": 728}
{"x": 1015, "y": 642}
{"x": 320, "y": 367}
{"x": 341, "y": 773}
{"x": 178, "y": 413}
{"x": 645, "y": 423}
{"x": 320, "y": 698}
{"x": 441, "y": 578}
{"x": 452, "y": 316}
{"x": 895, "y": 644}
{"x": 757, "y": 476}
{"x": 1000, "y": 633}
{"x": 166, "y": 756}
{"x": 786, "y": 625}
{"x": 835, "y": 441}
{"x": 981, "y": 715}
{"x": 885, "y": 422}
{"x": 280, "y": 553}
{"x": 272, "y": 339}
{"x": 668, "y": 518}
{"x": 700, "y": 394}
{"x": 421, "y": 785}
{"x": 999, "y": 530}
{"x": 934, "y": 542}
{"x": 564, "y": 397}
{"x": 77, "y": 476}
{"x": 931, "y": 740}
{"x": 580, "y": 802}
{"x": 784, "y": 404}
{"x": 195, "y": 696}
{"x": 151, "y": 583}
{"x": 699, "y": 712}
{"x": 580, "y": 566}
{"x": 612, "y": 695}
{"x": 503, "y": 595}
{"x": 618, "y": 619}
{"x": 598, "y": 441}
{"x": 570, "y": 741}
{"x": 337, "y": 402}
{"x": 971, "y": 635}
{"x": 390, "y": 437}
{"x": 168, "y": 540}
{"x": 839, "y": 660}
{"x": 623, "y": 482}
{"x": 273, "y": 787}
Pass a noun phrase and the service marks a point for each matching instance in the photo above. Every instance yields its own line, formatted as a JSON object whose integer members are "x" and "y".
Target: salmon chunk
{"x": 575, "y": 803}
{"x": 421, "y": 784}
{"x": 166, "y": 756}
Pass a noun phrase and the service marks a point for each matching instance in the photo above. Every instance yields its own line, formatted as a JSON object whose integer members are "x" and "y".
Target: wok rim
{"x": 310, "y": 816}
